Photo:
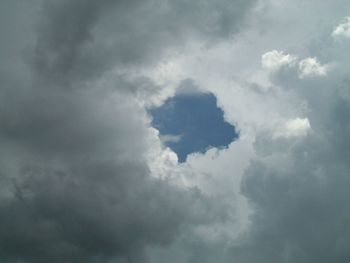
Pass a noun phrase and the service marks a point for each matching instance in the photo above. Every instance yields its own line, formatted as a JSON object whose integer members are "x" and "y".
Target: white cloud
{"x": 311, "y": 67}
{"x": 289, "y": 180}
{"x": 343, "y": 29}
{"x": 170, "y": 138}
{"x": 274, "y": 60}
{"x": 297, "y": 127}
{"x": 308, "y": 67}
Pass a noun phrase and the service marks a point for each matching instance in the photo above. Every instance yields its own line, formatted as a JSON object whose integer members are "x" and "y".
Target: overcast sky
{"x": 85, "y": 178}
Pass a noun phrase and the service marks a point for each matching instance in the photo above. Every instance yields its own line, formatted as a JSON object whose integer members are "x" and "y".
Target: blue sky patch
{"x": 192, "y": 122}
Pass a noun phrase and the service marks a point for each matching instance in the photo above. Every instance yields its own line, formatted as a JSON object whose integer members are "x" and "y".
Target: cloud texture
{"x": 84, "y": 177}
{"x": 75, "y": 182}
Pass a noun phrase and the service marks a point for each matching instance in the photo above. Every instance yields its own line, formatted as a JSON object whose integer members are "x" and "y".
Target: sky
{"x": 190, "y": 123}
{"x": 99, "y": 163}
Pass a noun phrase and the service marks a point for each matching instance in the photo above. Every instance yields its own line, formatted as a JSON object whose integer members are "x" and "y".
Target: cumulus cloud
{"x": 293, "y": 128}
{"x": 85, "y": 178}
{"x": 343, "y": 29}
{"x": 290, "y": 181}
{"x": 299, "y": 212}
{"x": 310, "y": 67}
{"x": 274, "y": 60}
{"x": 298, "y": 215}
{"x": 77, "y": 183}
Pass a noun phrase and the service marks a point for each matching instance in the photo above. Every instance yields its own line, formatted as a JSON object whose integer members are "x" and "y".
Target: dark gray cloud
{"x": 299, "y": 187}
{"x": 63, "y": 31}
{"x": 75, "y": 183}
{"x": 302, "y": 209}
{"x": 83, "y": 39}
{"x": 90, "y": 213}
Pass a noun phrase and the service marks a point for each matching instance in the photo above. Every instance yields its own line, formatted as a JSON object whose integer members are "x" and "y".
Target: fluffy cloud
{"x": 343, "y": 29}
{"x": 274, "y": 60}
{"x": 310, "y": 67}
{"x": 294, "y": 212}
{"x": 77, "y": 182}
{"x": 85, "y": 178}
{"x": 293, "y": 128}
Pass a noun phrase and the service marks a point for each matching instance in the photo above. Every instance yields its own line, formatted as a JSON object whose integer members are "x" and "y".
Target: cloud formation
{"x": 84, "y": 177}
{"x": 274, "y": 60}
{"x": 311, "y": 67}
{"x": 343, "y": 29}
{"x": 76, "y": 185}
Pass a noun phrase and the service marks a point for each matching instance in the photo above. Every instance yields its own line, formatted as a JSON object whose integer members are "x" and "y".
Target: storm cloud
{"x": 84, "y": 177}
{"x": 75, "y": 183}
